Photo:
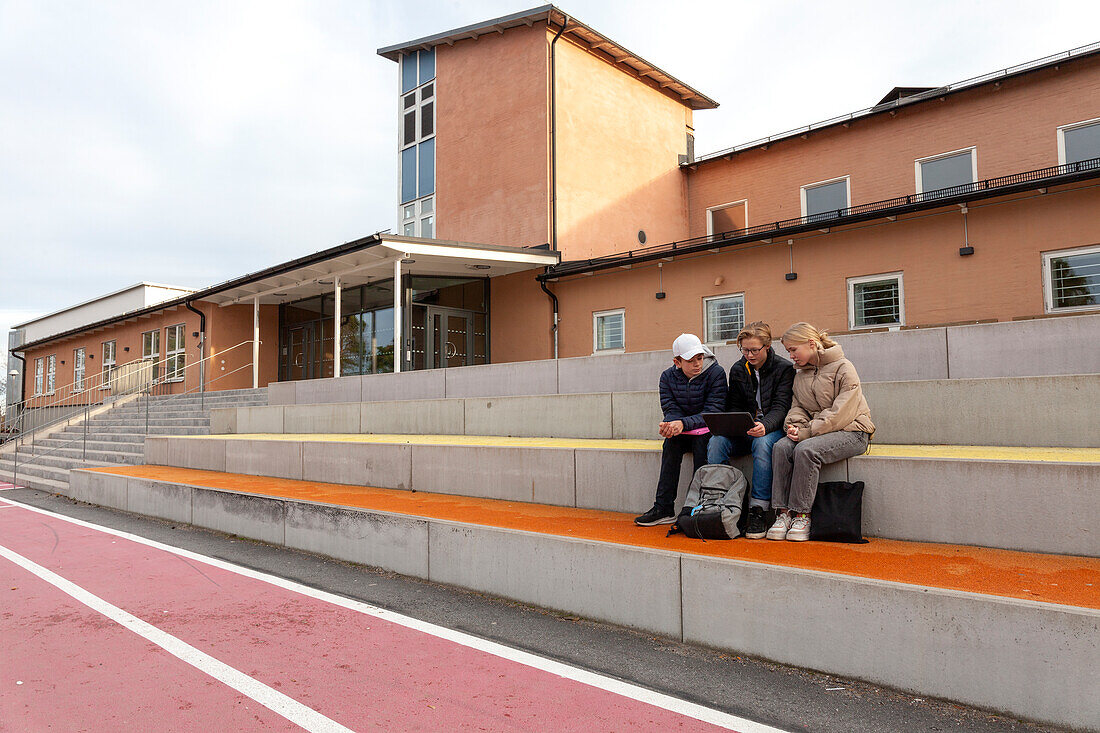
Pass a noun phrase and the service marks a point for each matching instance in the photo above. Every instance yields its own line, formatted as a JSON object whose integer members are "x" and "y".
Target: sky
{"x": 189, "y": 143}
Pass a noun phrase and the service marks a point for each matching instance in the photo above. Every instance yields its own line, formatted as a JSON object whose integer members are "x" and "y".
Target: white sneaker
{"x": 800, "y": 528}
{"x": 778, "y": 530}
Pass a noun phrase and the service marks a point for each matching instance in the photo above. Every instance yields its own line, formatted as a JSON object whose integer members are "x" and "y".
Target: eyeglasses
{"x": 752, "y": 352}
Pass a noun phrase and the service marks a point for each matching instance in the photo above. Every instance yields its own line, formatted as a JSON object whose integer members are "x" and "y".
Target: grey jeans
{"x": 795, "y": 466}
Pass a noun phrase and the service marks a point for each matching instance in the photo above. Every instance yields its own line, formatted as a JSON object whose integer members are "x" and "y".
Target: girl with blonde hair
{"x": 829, "y": 421}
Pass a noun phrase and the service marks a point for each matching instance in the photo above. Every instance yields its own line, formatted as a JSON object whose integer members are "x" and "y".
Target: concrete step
{"x": 1009, "y": 498}
{"x": 102, "y": 443}
{"x": 54, "y": 460}
{"x": 1052, "y": 411}
{"x": 140, "y": 421}
{"x": 105, "y": 431}
{"x": 959, "y": 352}
{"x": 980, "y": 627}
{"x": 59, "y": 476}
{"x": 107, "y": 457}
{"x": 37, "y": 482}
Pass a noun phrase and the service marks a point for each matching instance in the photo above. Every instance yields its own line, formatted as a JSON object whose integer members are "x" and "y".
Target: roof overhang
{"x": 416, "y": 255}
{"x": 612, "y": 52}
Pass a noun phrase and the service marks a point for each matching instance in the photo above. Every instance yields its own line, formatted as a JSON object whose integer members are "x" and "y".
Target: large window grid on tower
{"x": 416, "y": 142}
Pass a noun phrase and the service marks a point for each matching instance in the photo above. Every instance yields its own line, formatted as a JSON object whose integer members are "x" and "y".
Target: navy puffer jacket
{"x": 684, "y": 399}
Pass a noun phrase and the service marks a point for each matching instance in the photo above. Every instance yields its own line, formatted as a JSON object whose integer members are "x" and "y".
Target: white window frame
{"x": 712, "y": 209}
{"x": 973, "y": 150}
{"x": 596, "y": 315}
{"x": 1048, "y": 285}
{"x": 1062, "y": 136}
{"x": 847, "y": 191}
{"x": 421, "y": 220}
{"x": 155, "y": 355}
{"x": 109, "y": 363}
{"x": 853, "y": 281}
{"x": 171, "y": 374}
{"x": 39, "y": 375}
{"x": 51, "y": 373}
{"x": 79, "y": 367}
{"x": 706, "y": 325}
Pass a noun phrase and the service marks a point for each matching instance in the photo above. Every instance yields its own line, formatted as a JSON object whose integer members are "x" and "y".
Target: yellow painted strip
{"x": 479, "y": 441}
{"x": 989, "y": 453}
{"x": 966, "y": 452}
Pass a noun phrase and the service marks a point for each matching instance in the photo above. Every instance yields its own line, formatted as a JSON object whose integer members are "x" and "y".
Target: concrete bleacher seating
{"x": 979, "y": 444}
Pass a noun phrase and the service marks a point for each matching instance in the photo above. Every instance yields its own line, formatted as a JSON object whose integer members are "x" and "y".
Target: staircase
{"x": 117, "y": 436}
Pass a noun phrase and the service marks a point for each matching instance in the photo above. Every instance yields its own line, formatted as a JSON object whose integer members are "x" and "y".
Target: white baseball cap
{"x": 688, "y": 345}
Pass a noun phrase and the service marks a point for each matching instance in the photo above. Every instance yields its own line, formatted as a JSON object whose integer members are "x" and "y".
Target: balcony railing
{"x": 989, "y": 188}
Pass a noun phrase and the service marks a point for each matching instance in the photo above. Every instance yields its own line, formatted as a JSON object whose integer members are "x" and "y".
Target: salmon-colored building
{"x": 551, "y": 204}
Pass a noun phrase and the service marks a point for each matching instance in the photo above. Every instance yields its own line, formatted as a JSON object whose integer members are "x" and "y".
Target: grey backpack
{"x": 713, "y": 503}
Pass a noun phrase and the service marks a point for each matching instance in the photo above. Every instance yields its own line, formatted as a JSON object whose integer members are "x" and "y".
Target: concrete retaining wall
{"x": 1003, "y": 504}
{"x": 1011, "y": 411}
{"x": 1022, "y": 658}
{"x": 1051, "y": 346}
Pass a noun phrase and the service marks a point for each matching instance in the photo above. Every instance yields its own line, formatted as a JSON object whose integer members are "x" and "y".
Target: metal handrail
{"x": 64, "y": 401}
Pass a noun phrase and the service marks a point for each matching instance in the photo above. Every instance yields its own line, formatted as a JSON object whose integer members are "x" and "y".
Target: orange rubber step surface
{"x": 1062, "y": 579}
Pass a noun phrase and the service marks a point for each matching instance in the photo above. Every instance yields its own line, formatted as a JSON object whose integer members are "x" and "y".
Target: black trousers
{"x": 672, "y": 455}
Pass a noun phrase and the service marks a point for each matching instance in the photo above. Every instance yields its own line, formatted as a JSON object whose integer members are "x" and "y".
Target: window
{"x": 51, "y": 373}
{"x": 1079, "y": 141}
{"x": 417, "y": 144}
{"x": 609, "y": 331}
{"x": 38, "y": 376}
{"x": 876, "y": 300}
{"x": 724, "y": 317}
{"x": 824, "y": 200}
{"x": 78, "y": 369}
{"x": 946, "y": 170}
{"x": 150, "y": 350}
{"x": 727, "y": 217}
{"x": 1071, "y": 279}
{"x": 173, "y": 353}
{"x": 108, "y": 363}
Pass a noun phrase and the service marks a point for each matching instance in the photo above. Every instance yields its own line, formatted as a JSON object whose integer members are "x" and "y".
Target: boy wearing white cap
{"x": 693, "y": 385}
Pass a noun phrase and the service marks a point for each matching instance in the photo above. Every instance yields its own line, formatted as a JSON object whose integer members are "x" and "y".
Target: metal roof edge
{"x": 1073, "y": 54}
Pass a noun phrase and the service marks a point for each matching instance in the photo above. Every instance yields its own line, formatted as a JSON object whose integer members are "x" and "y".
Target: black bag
{"x": 837, "y": 514}
{"x": 713, "y": 503}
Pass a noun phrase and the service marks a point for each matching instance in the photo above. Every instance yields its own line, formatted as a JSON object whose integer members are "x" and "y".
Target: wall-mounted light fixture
{"x": 966, "y": 249}
{"x": 660, "y": 295}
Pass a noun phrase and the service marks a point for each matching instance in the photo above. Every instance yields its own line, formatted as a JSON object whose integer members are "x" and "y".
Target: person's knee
{"x": 805, "y": 453}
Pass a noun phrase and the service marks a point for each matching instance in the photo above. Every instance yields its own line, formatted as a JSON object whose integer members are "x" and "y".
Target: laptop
{"x": 729, "y": 424}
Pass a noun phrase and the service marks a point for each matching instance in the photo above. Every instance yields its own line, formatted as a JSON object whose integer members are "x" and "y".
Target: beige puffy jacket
{"x": 828, "y": 398}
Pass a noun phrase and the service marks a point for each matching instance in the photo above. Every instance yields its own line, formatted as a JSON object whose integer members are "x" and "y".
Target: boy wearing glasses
{"x": 760, "y": 384}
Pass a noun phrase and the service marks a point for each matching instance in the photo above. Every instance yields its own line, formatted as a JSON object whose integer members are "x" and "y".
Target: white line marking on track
{"x": 593, "y": 679}
{"x": 271, "y": 699}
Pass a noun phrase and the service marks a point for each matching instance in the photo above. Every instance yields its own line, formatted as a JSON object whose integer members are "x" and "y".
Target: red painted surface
{"x": 360, "y": 671}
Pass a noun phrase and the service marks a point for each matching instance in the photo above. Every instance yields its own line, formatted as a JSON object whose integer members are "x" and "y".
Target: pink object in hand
{"x": 696, "y": 431}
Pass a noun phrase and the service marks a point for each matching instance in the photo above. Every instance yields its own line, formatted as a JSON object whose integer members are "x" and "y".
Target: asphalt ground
{"x": 783, "y": 697}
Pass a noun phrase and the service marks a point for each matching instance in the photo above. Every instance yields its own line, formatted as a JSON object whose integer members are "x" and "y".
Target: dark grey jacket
{"x": 684, "y": 399}
{"x": 776, "y": 379}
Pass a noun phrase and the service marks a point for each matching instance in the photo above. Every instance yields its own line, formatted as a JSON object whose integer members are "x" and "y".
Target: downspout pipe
{"x": 554, "y": 300}
{"x": 554, "y": 140}
{"x": 22, "y": 376}
{"x": 554, "y": 172}
{"x": 202, "y": 343}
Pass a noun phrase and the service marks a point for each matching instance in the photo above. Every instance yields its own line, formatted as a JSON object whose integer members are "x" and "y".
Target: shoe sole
{"x": 770, "y": 536}
{"x": 799, "y": 538}
{"x": 663, "y": 520}
{"x": 755, "y": 535}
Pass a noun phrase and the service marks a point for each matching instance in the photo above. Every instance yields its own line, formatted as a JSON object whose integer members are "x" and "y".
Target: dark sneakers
{"x": 757, "y": 526}
{"x": 654, "y": 517}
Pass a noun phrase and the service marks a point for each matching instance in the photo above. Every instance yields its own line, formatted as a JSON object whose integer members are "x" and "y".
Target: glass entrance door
{"x": 304, "y": 352}
{"x": 450, "y": 337}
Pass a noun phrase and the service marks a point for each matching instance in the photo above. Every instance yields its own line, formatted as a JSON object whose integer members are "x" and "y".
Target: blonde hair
{"x": 802, "y": 332}
{"x": 756, "y": 330}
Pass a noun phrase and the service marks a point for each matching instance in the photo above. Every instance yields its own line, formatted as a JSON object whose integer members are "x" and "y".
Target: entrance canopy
{"x": 376, "y": 258}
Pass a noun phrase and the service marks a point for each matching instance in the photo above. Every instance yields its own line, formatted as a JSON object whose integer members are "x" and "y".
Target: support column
{"x": 255, "y": 343}
{"x": 337, "y": 344}
{"x": 398, "y": 352}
